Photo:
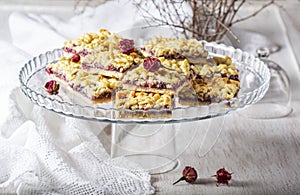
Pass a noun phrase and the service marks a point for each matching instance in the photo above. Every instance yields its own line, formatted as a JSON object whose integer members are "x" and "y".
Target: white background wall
{"x": 61, "y": 8}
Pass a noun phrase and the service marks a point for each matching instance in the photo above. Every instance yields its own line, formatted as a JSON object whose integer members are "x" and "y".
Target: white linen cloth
{"x": 42, "y": 152}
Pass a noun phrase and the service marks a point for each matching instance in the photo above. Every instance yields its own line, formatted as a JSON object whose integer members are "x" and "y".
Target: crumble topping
{"x": 180, "y": 65}
{"x": 141, "y": 100}
{"x": 94, "y": 85}
{"x": 222, "y": 89}
{"x": 227, "y": 68}
{"x": 174, "y": 48}
{"x": 65, "y": 67}
{"x": 90, "y": 41}
{"x": 112, "y": 60}
{"x": 216, "y": 67}
{"x": 107, "y": 56}
{"x": 210, "y": 90}
{"x": 161, "y": 80}
{"x": 215, "y": 80}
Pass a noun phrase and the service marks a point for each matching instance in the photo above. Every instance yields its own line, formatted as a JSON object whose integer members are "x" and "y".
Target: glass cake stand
{"x": 155, "y": 142}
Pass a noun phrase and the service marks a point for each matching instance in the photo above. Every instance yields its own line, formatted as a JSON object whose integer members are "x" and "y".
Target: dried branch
{"x": 200, "y": 19}
{"x": 255, "y": 13}
{"x": 209, "y": 19}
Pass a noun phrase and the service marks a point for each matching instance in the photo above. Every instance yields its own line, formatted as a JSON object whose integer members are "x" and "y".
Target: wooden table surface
{"x": 264, "y": 155}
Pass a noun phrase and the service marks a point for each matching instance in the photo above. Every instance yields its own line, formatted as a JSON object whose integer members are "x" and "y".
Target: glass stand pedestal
{"x": 156, "y": 147}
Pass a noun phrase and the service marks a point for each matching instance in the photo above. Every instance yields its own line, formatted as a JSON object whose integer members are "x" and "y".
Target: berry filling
{"x": 152, "y": 64}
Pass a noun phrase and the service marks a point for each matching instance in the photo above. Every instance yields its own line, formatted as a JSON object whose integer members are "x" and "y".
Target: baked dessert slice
{"x": 76, "y": 51}
{"x": 143, "y": 104}
{"x": 111, "y": 63}
{"x": 204, "y": 91}
{"x": 141, "y": 100}
{"x": 214, "y": 81}
{"x": 151, "y": 76}
{"x": 178, "y": 54}
{"x": 94, "y": 88}
{"x": 173, "y": 48}
{"x": 216, "y": 89}
{"x": 220, "y": 67}
{"x": 64, "y": 69}
{"x": 112, "y": 57}
{"x": 103, "y": 53}
{"x": 88, "y": 42}
{"x": 93, "y": 83}
{"x": 221, "y": 89}
{"x": 180, "y": 65}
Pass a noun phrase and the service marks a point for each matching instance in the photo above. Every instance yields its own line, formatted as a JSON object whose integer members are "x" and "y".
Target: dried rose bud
{"x": 75, "y": 58}
{"x": 126, "y": 46}
{"x": 52, "y": 87}
{"x": 222, "y": 176}
{"x": 152, "y": 64}
{"x": 189, "y": 174}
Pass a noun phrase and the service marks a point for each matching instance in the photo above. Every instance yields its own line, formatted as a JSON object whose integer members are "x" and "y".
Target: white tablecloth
{"x": 43, "y": 152}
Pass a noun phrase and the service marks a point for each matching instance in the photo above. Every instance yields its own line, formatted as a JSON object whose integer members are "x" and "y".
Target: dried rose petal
{"x": 222, "y": 176}
{"x": 152, "y": 64}
{"x": 189, "y": 174}
{"x": 126, "y": 46}
{"x": 49, "y": 70}
{"x": 52, "y": 87}
{"x": 75, "y": 58}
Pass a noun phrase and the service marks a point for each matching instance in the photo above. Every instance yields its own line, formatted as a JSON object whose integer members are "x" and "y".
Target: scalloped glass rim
{"x": 252, "y": 90}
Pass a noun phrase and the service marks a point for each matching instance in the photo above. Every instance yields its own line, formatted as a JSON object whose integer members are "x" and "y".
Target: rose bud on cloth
{"x": 189, "y": 174}
{"x": 223, "y": 176}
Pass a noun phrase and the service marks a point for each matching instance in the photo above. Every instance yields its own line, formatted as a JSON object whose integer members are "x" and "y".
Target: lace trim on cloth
{"x": 43, "y": 152}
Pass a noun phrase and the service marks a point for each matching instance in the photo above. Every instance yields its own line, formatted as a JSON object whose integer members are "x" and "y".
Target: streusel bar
{"x": 161, "y": 81}
{"x": 143, "y": 104}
